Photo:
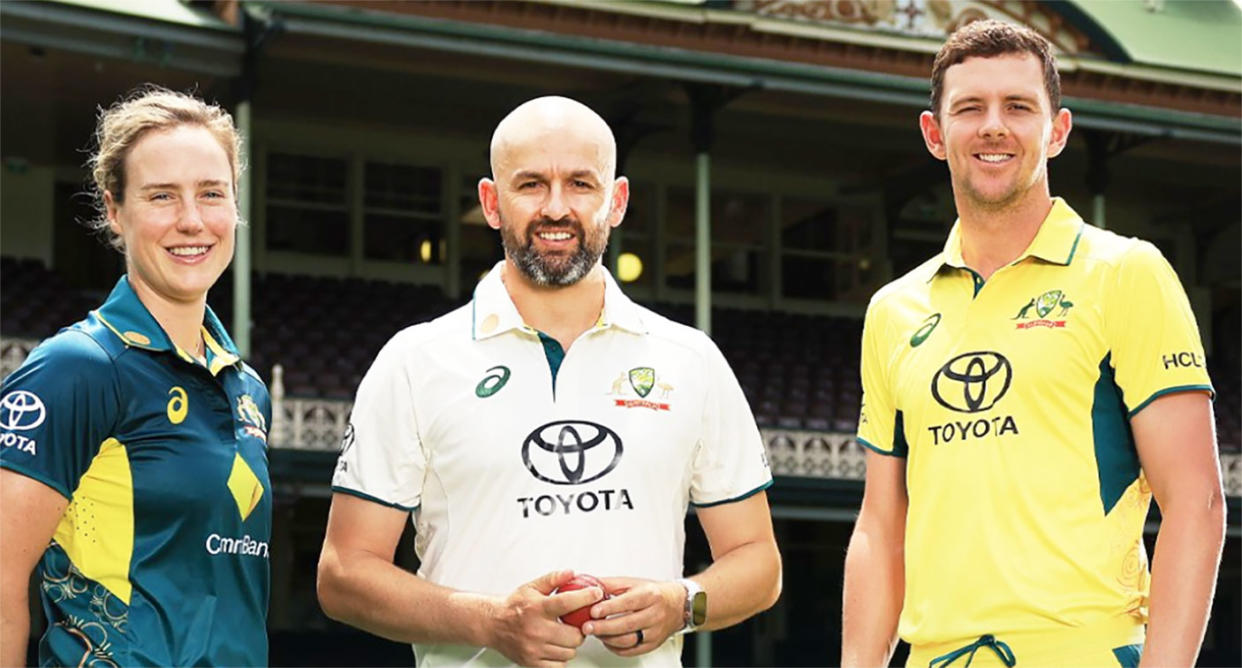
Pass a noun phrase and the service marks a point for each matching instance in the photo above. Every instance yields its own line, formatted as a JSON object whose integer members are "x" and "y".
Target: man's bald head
{"x": 551, "y": 121}
{"x": 554, "y": 194}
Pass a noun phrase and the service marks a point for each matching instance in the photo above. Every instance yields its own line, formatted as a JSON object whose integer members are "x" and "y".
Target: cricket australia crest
{"x": 642, "y": 379}
{"x": 641, "y": 382}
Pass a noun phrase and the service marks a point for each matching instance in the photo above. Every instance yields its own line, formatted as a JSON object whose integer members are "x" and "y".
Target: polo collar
{"x": 494, "y": 312}
{"x": 1055, "y": 242}
{"x": 1058, "y": 235}
{"x": 128, "y": 318}
{"x": 620, "y": 310}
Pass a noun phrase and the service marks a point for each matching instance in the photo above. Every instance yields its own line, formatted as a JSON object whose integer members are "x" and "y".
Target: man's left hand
{"x": 657, "y": 609}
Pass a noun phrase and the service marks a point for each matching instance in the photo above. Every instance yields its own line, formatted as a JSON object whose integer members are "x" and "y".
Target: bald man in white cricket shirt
{"x": 522, "y": 434}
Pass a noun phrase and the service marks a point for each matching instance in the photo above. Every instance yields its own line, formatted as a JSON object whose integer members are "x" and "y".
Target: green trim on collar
{"x": 1051, "y": 243}
{"x": 1058, "y": 235}
{"x": 976, "y": 280}
{"x": 1074, "y": 248}
{"x": 555, "y": 353}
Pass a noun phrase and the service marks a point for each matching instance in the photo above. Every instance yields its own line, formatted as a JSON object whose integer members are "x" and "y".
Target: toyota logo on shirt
{"x": 571, "y": 452}
{"x": 21, "y": 410}
{"x": 972, "y": 382}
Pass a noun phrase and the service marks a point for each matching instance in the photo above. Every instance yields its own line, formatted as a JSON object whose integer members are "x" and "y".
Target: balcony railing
{"x": 311, "y": 424}
{"x": 318, "y": 424}
{"x": 12, "y": 353}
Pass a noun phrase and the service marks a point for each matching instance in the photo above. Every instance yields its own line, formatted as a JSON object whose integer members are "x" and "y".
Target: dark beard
{"x": 556, "y": 270}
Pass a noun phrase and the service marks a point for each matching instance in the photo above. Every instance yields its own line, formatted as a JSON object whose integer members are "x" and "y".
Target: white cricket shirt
{"x": 512, "y": 470}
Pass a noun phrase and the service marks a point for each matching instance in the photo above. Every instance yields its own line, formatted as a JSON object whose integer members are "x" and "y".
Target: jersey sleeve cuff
{"x": 887, "y": 453}
{"x": 372, "y": 499}
{"x": 734, "y": 499}
{"x": 1172, "y": 390}
{"x": 36, "y": 475}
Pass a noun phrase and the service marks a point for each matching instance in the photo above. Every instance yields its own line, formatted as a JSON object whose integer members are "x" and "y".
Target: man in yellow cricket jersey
{"x": 1026, "y": 392}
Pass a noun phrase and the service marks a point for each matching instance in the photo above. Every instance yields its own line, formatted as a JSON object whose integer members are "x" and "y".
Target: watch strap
{"x": 695, "y": 602}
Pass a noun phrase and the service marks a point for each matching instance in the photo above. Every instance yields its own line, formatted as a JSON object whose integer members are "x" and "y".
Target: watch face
{"x": 698, "y": 608}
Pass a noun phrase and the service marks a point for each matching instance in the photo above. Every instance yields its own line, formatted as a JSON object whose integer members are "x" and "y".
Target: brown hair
{"x": 990, "y": 38}
{"x": 147, "y": 109}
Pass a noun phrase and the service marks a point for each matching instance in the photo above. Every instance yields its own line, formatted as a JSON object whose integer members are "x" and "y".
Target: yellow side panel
{"x": 97, "y": 529}
{"x": 245, "y": 486}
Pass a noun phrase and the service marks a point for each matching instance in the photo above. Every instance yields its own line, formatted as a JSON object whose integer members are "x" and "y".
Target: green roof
{"x": 1195, "y": 35}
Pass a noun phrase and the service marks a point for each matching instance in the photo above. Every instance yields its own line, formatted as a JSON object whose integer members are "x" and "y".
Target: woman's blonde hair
{"x": 147, "y": 109}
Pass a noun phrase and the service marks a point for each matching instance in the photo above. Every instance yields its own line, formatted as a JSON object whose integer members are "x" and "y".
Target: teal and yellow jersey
{"x": 161, "y": 557}
{"x": 1011, "y": 401}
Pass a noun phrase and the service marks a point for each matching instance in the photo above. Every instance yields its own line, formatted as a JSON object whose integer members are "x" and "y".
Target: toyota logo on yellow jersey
{"x": 972, "y": 382}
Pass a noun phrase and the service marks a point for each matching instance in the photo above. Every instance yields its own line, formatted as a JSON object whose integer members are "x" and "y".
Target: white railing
{"x": 12, "y": 353}
{"x": 300, "y": 423}
{"x": 815, "y": 454}
{"x": 305, "y": 423}
{"x": 318, "y": 424}
{"x": 1231, "y": 473}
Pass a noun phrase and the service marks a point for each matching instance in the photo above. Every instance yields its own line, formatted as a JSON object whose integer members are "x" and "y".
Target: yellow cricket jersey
{"x": 1010, "y": 400}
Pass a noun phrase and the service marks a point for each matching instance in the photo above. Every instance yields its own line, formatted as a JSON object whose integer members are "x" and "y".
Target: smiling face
{"x": 997, "y": 130}
{"x": 553, "y": 196}
{"x": 178, "y": 215}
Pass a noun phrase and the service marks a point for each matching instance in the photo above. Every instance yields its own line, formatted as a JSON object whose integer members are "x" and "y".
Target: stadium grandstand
{"x": 778, "y": 179}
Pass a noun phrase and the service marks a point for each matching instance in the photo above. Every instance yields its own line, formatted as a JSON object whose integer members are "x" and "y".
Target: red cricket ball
{"x": 581, "y": 615}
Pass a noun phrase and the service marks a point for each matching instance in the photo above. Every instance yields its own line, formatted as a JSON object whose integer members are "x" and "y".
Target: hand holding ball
{"x": 581, "y": 615}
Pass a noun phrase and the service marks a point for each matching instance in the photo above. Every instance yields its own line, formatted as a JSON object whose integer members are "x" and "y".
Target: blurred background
{"x": 781, "y": 134}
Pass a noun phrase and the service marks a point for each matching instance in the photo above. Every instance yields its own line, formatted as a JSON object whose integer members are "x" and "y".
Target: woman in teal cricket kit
{"x": 133, "y": 464}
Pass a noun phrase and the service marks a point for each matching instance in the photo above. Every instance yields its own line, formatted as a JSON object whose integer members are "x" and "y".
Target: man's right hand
{"x": 526, "y": 629}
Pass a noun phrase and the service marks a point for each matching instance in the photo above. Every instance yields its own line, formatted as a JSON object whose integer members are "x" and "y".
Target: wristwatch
{"x": 695, "y": 614}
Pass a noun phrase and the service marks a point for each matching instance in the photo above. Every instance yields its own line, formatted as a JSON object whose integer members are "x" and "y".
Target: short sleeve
{"x": 57, "y": 409}
{"x": 878, "y": 419}
{"x": 265, "y": 405}
{"x": 1153, "y": 338}
{"x": 259, "y": 393}
{"x": 382, "y": 458}
{"x": 730, "y": 462}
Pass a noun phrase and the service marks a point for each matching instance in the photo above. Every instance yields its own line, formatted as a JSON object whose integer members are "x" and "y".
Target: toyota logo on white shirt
{"x": 571, "y": 452}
